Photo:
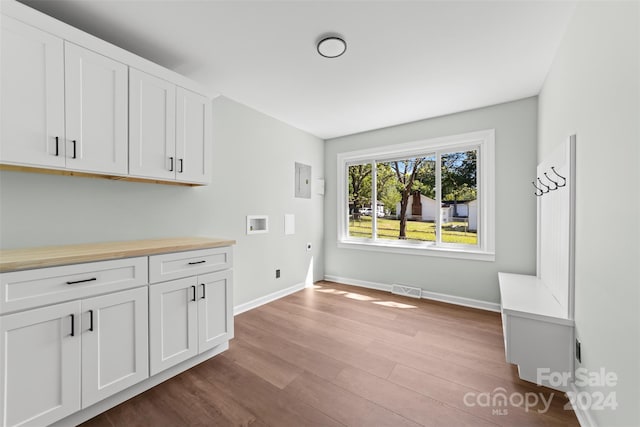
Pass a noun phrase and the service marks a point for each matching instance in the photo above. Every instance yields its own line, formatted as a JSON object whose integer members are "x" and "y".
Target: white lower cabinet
{"x": 78, "y": 334}
{"x": 115, "y": 352}
{"x": 173, "y": 316}
{"x": 40, "y": 360}
{"x": 215, "y": 309}
{"x": 188, "y": 316}
{"x": 59, "y": 359}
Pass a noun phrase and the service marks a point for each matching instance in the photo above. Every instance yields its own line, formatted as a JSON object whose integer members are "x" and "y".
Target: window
{"x": 432, "y": 197}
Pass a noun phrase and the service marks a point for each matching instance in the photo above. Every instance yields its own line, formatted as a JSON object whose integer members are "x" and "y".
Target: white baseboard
{"x": 241, "y": 308}
{"x": 583, "y": 414}
{"x": 466, "y": 302}
{"x": 451, "y": 299}
{"x": 361, "y": 283}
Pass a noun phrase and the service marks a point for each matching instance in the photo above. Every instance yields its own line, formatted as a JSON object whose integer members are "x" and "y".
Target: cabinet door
{"x": 215, "y": 309}
{"x": 193, "y": 137}
{"x": 32, "y": 101}
{"x": 114, "y": 343}
{"x": 40, "y": 365}
{"x": 173, "y": 328}
{"x": 96, "y": 111}
{"x": 152, "y": 115}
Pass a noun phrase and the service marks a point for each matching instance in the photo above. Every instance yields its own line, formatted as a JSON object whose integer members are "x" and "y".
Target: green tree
{"x": 459, "y": 176}
{"x": 426, "y": 178}
{"x": 386, "y": 187}
{"x": 359, "y": 186}
{"x": 406, "y": 171}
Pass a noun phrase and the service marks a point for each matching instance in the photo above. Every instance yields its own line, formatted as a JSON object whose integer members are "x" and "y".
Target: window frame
{"x": 483, "y": 141}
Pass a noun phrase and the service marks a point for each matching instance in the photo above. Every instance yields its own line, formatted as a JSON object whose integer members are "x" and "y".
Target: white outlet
{"x": 309, "y": 247}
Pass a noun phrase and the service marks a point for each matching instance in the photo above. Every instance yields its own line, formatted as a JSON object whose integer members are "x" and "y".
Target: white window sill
{"x": 418, "y": 249}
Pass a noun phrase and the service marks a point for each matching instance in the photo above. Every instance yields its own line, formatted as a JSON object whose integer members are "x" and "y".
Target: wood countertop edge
{"x": 53, "y": 256}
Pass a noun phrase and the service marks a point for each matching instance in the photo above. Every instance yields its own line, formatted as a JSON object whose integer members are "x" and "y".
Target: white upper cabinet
{"x": 74, "y": 103}
{"x": 50, "y": 86}
{"x": 152, "y": 124}
{"x": 169, "y": 130}
{"x": 96, "y": 111}
{"x": 32, "y": 101}
{"x": 193, "y": 136}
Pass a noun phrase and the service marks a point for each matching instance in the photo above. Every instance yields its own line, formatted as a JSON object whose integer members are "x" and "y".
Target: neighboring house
{"x": 461, "y": 206}
{"x": 423, "y": 208}
{"x": 420, "y": 208}
{"x": 472, "y": 207}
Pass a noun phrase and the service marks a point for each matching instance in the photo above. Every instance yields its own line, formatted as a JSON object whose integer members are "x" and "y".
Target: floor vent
{"x": 406, "y": 291}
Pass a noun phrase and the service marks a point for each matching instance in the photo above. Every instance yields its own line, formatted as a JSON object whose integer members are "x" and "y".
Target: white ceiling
{"x": 405, "y": 61}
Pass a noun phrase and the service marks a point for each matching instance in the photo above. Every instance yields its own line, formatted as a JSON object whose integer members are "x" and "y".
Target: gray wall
{"x": 516, "y": 135}
{"x": 253, "y": 173}
{"x": 593, "y": 90}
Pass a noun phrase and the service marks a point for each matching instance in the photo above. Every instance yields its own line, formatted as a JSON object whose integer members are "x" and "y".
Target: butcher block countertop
{"x": 50, "y": 256}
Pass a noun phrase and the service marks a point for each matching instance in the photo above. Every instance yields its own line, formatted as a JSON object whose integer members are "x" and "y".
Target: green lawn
{"x": 452, "y": 232}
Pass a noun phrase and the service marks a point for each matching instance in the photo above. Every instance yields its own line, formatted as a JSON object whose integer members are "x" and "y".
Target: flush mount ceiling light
{"x": 331, "y": 46}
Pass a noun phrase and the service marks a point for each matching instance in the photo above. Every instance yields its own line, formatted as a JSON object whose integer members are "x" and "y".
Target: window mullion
{"x": 374, "y": 200}
{"x": 479, "y": 198}
{"x": 438, "y": 215}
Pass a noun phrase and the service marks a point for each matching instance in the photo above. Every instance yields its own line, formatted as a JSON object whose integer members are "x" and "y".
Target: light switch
{"x": 289, "y": 224}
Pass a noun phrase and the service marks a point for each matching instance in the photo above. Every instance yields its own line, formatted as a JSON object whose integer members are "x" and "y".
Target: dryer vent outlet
{"x": 406, "y": 291}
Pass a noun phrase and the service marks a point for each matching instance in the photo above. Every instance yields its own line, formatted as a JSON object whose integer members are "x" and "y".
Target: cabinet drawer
{"x": 32, "y": 288}
{"x": 190, "y": 263}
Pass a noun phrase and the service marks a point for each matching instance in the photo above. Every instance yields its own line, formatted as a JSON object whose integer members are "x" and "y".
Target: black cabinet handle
{"x": 57, "y": 146}
{"x": 194, "y": 292}
{"x": 170, "y": 164}
{"x": 197, "y": 262}
{"x": 74, "y": 149}
{"x": 82, "y": 281}
{"x": 73, "y": 325}
{"x": 203, "y": 290}
{"x": 181, "y": 165}
{"x": 91, "y": 320}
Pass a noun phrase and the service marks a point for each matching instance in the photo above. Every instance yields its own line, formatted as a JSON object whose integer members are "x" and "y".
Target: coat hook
{"x": 550, "y": 180}
{"x": 536, "y": 187}
{"x": 544, "y": 185}
{"x": 564, "y": 180}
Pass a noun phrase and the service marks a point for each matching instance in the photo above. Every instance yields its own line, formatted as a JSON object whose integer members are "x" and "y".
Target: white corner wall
{"x": 515, "y": 124}
{"x": 253, "y": 173}
{"x": 593, "y": 90}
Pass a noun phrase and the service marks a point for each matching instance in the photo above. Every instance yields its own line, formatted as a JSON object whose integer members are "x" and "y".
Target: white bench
{"x": 538, "y": 334}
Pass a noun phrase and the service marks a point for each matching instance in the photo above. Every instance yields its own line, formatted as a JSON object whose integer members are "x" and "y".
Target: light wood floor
{"x": 342, "y": 355}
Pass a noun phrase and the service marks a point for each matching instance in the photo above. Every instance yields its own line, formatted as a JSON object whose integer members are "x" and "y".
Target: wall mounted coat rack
{"x": 554, "y": 181}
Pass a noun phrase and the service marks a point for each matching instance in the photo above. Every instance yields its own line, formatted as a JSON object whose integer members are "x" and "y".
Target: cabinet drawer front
{"x": 32, "y": 288}
{"x": 190, "y": 263}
